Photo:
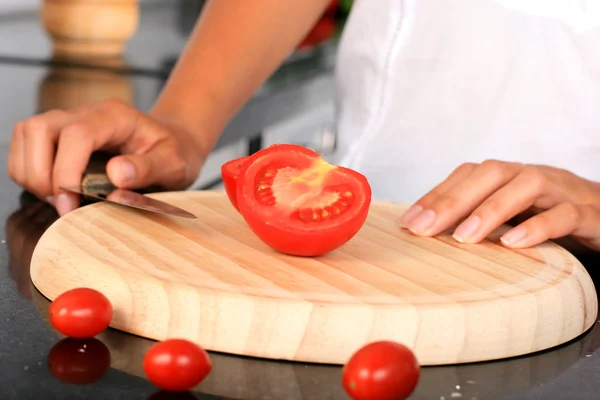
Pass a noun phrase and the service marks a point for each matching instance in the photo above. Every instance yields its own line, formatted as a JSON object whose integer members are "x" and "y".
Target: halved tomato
{"x": 229, "y": 172}
{"x": 299, "y": 204}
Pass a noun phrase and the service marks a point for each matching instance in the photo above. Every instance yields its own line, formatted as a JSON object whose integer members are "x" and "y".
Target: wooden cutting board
{"x": 214, "y": 282}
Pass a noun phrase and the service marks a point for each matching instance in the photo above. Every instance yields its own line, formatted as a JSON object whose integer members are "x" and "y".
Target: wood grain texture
{"x": 214, "y": 282}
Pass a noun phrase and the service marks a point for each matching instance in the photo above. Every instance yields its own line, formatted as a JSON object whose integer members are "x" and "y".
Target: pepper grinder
{"x": 90, "y": 27}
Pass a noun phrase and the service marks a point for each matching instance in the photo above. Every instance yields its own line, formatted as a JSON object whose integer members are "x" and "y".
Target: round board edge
{"x": 339, "y": 359}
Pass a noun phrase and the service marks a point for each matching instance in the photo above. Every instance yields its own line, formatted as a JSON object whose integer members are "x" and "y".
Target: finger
{"x": 581, "y": 221}
{"x": 41, "y": 133}
{"x": 75, "y": 146}
{"x": 23, "y": 155}
{"x": 515, "y": 197}
{"x": 107, "y": 125}
{"x": 16, "y": 155}
{"x": 457, "y": 202}
{"x": 161, "y": 166}
{"x": 458, "y": 175}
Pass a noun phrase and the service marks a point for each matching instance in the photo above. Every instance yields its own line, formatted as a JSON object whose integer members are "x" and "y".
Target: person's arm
{"x": 234, "y": 48}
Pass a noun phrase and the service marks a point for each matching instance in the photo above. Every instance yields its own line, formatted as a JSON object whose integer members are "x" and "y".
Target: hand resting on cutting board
{"x": 549, "y": 203}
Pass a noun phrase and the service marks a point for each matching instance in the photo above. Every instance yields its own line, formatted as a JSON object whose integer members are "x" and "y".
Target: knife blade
{"x": 96, "y": 185}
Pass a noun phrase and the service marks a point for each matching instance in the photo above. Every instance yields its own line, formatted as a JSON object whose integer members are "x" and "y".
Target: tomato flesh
{"x": 176, "y": 365}
{"x": 79, "y": 361}
{"x": 81, "y": 313}
{"x": 229, "y": 173}
{"x": 381, "y": 370}
{"x": 299, "y": 204}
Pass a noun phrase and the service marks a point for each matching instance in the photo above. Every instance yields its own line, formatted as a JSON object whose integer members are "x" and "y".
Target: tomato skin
{"x": 381, "y": 370}
{"x": 81, "y": 313}
{"x": 79, "y": 361}
{"x": 176, "y": 365}
{"x": 281, "y": 232}
{"x": 229, "y": 173}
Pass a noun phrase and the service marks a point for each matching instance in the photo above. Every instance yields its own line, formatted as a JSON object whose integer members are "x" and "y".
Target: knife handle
{"x": 95, "y": 179}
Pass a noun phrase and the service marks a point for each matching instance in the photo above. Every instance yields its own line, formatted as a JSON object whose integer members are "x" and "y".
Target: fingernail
{"x": 514, "y": 236}
{"x": 65, "y": 204}
{"x": 422, "y": 221}
{"x": 50, "y": 200}
{"x": 125, "y": 173}
{"x": 410, "y": 214}
{"x": 467, "y": 229}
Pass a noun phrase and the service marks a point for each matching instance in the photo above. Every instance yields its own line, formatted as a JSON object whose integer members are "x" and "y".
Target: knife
{"x": 96, "y": 185}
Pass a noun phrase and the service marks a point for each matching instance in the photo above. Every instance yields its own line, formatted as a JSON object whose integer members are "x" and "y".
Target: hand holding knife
{"x": 95, "y": 184}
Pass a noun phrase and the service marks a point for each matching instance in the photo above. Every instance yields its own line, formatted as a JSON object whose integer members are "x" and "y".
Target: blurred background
{"x": 60, "y": 54}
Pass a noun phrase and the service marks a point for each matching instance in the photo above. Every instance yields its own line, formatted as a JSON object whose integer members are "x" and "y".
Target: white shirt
{"x": 426, "y": 85}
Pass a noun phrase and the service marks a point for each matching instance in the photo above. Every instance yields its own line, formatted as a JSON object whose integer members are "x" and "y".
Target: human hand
{"x": 53, "y": 149}
{"x": 484, "y": 196}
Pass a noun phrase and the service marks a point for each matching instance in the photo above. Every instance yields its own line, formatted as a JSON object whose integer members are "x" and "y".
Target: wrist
{"x": 199, "y": 137}
{"x": 197, "y": 111}
{"x": 190, "y": 143}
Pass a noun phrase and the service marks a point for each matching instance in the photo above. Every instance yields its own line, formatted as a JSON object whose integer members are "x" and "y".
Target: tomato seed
{"x": 305, "y": 214}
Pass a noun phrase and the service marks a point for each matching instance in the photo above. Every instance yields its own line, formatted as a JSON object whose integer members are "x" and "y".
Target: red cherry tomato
{"x": 81, "y": 313}
{"x": 381, "y": 371}
{"x": 79, "y": 361}
{"x": 299, "y": 204}
{"x": 229, "y": 172}
{"x": 176, "y": 365}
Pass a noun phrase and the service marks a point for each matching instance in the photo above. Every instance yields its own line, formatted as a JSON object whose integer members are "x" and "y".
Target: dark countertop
{"x": 566, "y": 372}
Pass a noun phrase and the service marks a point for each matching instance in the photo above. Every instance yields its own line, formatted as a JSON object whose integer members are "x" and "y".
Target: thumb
{"x": 135, "y": 171}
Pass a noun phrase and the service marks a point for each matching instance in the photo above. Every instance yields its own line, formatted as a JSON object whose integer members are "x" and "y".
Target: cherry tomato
{"x": 323, "y": 30}
{"x": 381, "y": 370}
{"x": 299, "y": 204}
{"x": 229, "y": 172}
{"x": 80, "y": 313}
{"x": 176, "y": 365}
{"x": 79, "y": 361}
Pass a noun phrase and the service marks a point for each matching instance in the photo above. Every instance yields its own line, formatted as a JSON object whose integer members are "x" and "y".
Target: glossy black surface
{"x": 569, "y": 372}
